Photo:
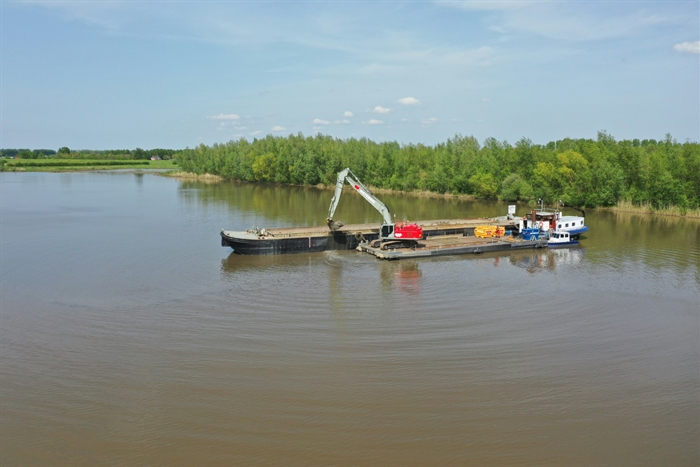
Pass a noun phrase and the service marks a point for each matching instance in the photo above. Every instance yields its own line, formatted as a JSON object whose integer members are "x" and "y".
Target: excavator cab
{"x": 386, "y": 231}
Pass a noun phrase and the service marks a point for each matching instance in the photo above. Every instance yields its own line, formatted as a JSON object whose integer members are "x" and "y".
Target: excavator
{"x": 391, "y": 234}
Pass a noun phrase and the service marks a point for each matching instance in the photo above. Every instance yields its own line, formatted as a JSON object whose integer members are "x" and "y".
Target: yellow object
{"x": 487, "y": 231}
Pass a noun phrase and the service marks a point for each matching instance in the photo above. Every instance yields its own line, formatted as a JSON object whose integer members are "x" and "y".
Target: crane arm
{"x": 336, "y": 196}
{"x": 362, "y": 190}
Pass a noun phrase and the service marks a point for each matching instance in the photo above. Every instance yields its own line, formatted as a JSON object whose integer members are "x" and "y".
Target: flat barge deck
{"x": 348, "y": 237}
{"x": 453, "y": 245}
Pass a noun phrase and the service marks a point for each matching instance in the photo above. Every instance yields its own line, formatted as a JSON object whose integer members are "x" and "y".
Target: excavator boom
{"x": 362, "y": 190}
{"x": 395, "y": 234}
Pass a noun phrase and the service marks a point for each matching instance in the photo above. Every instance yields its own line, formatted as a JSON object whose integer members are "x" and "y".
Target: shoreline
{"x": 208, "y": 178}
{"x": 674, "y": 211}
{"x": 83, "y": 165}
{"x": 622, "y": 206}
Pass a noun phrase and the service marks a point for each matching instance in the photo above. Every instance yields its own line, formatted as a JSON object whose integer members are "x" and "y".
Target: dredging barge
{"x": 395, "y": 240}
{"x": 348, "y": 237}
{"x": 453, "y": 245}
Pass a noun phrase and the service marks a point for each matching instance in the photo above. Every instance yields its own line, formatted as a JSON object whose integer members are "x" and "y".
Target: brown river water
{"x": 129, "y": 336}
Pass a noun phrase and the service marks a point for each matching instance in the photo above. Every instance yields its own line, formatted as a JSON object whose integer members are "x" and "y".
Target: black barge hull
{"x": 279, "y": 246}
{"x": 316, "y": 239}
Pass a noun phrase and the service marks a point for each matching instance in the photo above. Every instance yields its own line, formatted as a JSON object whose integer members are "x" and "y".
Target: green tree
{"x": 579, "y": 171}
{"x": 515, "y": 188}
{"x": 264, "y": 167}
{"x": 483, "y": 185}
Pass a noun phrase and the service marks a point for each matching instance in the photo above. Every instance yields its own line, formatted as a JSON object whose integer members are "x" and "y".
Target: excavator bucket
{"x": 334, "y": 225}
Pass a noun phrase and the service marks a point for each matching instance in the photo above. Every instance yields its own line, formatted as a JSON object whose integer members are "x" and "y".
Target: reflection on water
{"x": 299, "y": 206}
{"x": 233, "y": 263}
{"x": 134, "y": 338}
{"x": 404, "y": 276}
{"x": 547, "y": 259}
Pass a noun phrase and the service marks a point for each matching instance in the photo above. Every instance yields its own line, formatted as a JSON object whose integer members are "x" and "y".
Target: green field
{"x": 65, "y": 165}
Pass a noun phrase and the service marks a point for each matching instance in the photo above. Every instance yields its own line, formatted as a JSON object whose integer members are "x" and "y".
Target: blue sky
{"x": 112, "y": 74}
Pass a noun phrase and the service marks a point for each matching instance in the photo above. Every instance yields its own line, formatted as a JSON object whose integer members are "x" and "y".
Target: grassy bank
{"x": 207, "y": 178}
{"x": 68, "y": 165}
{"x": 647, "y": 208}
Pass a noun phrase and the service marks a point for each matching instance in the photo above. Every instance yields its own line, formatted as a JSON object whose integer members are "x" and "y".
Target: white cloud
{"x": 318, "y": 121}
{"x": 236, "y": 126}
{"x": 347, "y": 113}
{"x": 408, "y": 101}
{"x": 224, "y": 117}
{"x": 428, "y": 122}
{"x": 404, "y": 120}
{"x": 688, "y": 47}
{"x": 278, "y": 128}
{"x": 381, "y": 110}
{"x": 229, "y": 123}
{"x": 374, "y": 122}
{"x": 486, "y": 99}
{"x": 255, "y": 133}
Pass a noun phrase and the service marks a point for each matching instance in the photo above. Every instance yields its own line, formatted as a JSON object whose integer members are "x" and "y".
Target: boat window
{"x": 567, "y": 225}
{"x": 559, "y": 226}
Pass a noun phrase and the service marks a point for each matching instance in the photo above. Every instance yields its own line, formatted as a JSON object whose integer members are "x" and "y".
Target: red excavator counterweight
{"x": 408, "y": 231}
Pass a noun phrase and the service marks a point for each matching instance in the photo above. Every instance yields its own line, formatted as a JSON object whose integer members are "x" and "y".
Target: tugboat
{"x": 560, "y": 238}
{"x": 542, "y": 220}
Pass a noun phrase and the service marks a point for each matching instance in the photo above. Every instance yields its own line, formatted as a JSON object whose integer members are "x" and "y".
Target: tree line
{"x": 579, "y": 172}
{"x": 27, "y": 153}
{"x": 108, "y": 154}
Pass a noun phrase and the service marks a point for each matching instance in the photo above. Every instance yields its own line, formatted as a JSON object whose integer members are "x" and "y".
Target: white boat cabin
{"x": 553, "y": 220}
{"x": 560, "y": 237}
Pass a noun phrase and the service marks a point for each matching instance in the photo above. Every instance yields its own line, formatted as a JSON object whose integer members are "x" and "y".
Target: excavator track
{"x": 393, "y": 244}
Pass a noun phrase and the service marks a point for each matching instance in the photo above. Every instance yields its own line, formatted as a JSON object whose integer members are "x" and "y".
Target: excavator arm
{"x": 362, "y": 190}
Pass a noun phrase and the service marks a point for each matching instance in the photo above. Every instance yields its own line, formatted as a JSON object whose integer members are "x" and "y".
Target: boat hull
{"x": 316, "y": 239}
{"x": 562, "y": 245}
{"x": 247, "y": 245}
{"x": 577, "y": 232}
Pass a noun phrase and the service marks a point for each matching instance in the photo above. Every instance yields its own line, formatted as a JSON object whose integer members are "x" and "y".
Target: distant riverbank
{"x": 208, "y": 178}
{"x": 622, "y": 206}
{"x": 73, "y": 165}
{"x": 627, "y": 206}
